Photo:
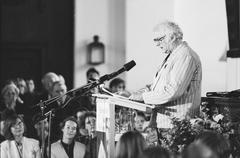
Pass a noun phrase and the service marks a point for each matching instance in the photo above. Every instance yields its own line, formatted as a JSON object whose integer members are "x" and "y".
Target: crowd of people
{"x": 25, "y": 118}
{"x": 27, "y": 131}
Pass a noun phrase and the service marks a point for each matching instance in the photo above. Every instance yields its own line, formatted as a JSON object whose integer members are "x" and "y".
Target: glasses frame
{"x": 159, "y": 39}
{"x": 16, "y": 125}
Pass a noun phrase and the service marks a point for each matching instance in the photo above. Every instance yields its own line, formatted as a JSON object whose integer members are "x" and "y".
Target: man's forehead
{"x": 59, "y": 86}
{"x": 71, "y": 123}
{"x": 159, "y": 33}
{"x": 90, "y": 118}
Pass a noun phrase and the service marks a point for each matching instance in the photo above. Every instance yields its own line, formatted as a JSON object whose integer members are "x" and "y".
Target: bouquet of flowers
{"x": 185, "y": 131}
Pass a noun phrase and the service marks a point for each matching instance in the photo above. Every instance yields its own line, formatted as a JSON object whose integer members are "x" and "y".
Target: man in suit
{"x": 176, "y": 88}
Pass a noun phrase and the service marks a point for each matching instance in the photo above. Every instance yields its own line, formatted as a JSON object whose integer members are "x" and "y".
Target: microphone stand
{"x": 49, "y": 132}
{"x": 42, "y": 107}
{"x": 78, "y": 91}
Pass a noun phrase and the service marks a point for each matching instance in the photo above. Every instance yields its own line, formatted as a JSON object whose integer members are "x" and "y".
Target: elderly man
{"x": 176, "y": 88}
{"x": 47, "y": 82}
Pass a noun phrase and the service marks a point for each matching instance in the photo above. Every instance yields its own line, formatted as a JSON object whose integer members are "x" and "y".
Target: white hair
{"x": 170, "y": 28}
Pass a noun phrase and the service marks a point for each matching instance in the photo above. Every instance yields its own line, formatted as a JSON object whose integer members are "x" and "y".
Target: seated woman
{"x": 12, "y": 102}
{"x": 16, "y": 145}
{"x": 67, "y": 147}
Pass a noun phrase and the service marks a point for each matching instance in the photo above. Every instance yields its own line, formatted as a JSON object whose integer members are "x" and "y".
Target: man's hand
{"x": 136, "y": 97}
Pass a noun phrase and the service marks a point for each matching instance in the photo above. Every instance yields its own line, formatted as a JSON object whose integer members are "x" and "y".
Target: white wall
{"x": 141, "y": 17}
{"x": 105, "y": 18}
{"x": 204, "y": 24}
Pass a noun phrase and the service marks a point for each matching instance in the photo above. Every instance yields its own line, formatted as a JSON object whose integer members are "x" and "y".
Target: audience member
{"x": 117, "y": 85}
{"x": 92, "y": 73}
{"x": 208, "y": 145}
{"x": 60, "y": 112}
{"x": 67, "y": 147}
{"x": 139, "y": 120}
{"x": 153, "y": 135}
{"x": 22, "y": 86}
{"x": 47, "y": 82}
{"x": 11, "y": 98}
{"x": 30, "y": 85}
{"x": 31, "y": 97}
{"x": 41, "y": 126}
{"x": 10, "y": 95}
{"x": 130, "y": 145}
{"x": 88, "y": 135}
{"x": 61, "y": 79}
{"x": 17, "y": 145}
{"x": 80, "y": 114}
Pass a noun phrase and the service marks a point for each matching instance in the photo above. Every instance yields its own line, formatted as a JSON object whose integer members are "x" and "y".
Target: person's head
{"x": 89, "y": 122}
{"x": 152, "y": 137}
{"x": 139, "y": 121}
{"x": 30, "y": 85}
{"x": 198, "y": 151}
{"x": 48, "y": 80}
{"x": 40, "y": 122}
{"x": 22, "y": 86}
{"x": 80, "y": 115}
{"x": 117, "y": 85}
{"x": 58, "y": 89}
{"x": 155, "y": 152}
{"x": 70, "y": 128}
{"x": 214, "y": 142}
{"x": 10, "y": 94}
{"x": 4, "y": 115}
{"x": 13, "y": 127}
{"x": 92, "y": 73}
{"x": 167, "y": 36}
{"x": 61, "y": 78}
{"x": 130, "y": 145}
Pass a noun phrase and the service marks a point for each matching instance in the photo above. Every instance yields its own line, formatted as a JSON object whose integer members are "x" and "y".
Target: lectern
{"x": 106, "y": 117}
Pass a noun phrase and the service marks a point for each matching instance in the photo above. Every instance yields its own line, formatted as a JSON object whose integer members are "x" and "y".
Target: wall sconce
{"x": 96, "y": 52}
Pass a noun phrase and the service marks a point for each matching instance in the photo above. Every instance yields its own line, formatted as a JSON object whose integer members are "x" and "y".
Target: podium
{"x": 106, "y": 117}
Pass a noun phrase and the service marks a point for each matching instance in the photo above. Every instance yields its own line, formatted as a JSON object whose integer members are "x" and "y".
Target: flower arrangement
{"x": 185, "y": 131}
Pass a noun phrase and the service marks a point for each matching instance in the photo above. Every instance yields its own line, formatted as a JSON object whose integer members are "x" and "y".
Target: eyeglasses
{"x": 16, "y": 125}
{"x": 159, "y": 39}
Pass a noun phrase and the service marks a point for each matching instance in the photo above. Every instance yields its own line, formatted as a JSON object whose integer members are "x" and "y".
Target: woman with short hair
{"x": 67, "y": 147}
{"x": 16, "y": 144}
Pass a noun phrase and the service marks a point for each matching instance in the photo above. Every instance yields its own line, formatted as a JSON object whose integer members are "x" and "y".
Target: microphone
{"x": 126, "y": 67}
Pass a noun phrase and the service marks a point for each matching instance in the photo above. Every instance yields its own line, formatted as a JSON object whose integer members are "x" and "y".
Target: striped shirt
{"x": 177, "y": 87}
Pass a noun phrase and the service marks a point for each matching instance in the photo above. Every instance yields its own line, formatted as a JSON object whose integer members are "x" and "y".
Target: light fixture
{"x": 96, "y": 52}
